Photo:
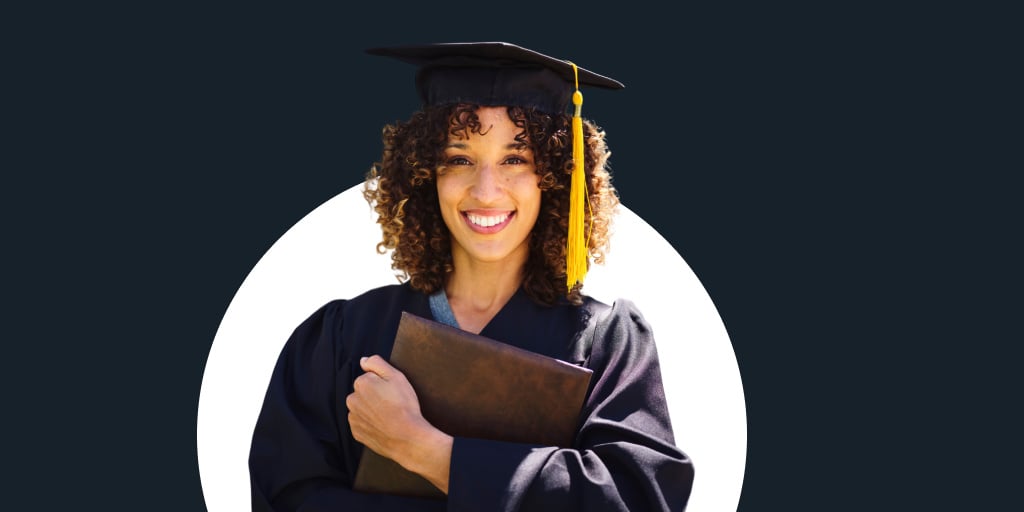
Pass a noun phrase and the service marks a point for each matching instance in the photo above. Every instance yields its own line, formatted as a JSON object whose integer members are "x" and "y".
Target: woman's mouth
{"x": 487, "y": 223}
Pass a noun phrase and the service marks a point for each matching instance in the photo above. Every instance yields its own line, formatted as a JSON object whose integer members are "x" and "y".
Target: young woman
{"x": 474, "y": 197}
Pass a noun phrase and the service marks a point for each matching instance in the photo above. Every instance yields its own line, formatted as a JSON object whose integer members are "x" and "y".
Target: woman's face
{"x": 488, "y": 191}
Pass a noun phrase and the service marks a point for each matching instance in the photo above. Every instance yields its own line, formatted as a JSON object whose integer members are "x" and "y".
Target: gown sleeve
{"x": 297, "y": 459}
{"x": 623, "y": 458}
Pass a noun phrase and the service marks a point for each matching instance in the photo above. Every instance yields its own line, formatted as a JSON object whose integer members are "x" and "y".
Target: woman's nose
{"x": 487, "y": 186}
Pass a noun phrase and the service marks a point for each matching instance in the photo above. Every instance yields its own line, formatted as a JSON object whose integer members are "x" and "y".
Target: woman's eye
{"x": 515, "y": 160}
{"x": 458, "y": 160}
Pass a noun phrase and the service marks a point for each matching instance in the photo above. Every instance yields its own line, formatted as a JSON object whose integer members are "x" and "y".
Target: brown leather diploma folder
{"x": 472, "y": 386}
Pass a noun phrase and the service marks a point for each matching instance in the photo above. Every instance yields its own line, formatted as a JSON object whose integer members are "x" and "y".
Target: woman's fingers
{"x": 376, "y": 364}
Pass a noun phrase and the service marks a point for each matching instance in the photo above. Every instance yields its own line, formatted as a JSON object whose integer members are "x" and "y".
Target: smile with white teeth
{"x": 487, "y": 221}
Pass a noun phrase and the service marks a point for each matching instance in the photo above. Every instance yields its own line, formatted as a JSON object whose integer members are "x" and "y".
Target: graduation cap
{"x": 493, "y": 74}
{"x": 504, "y": 74}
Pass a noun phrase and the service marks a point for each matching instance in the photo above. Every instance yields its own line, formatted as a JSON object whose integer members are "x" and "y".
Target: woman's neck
{"x": 478, "y": 290}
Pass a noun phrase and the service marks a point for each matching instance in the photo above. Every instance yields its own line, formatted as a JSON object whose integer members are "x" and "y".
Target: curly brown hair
{"x": 402, "y": 190}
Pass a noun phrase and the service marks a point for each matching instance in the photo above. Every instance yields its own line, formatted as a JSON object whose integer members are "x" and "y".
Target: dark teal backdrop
{"x": 808, "y": 163}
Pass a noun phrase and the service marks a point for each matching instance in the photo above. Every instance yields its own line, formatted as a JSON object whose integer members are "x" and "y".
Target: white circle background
{"x": 331, "y": 254}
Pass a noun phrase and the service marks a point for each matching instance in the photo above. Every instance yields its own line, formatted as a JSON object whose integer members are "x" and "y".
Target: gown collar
{"x": 442, "y": 312}
{"x": 441, "y": 309}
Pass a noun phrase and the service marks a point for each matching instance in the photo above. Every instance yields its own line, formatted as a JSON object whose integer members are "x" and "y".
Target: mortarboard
{"x": 493, "y": 74}
{"x": 496, "y": 74}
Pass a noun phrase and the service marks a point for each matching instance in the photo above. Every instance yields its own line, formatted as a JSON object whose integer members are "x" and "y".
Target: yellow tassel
{"x": 576, "y": 246}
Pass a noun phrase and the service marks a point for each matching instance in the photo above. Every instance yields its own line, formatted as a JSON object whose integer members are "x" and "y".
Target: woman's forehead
{"x": 492, "y": 121}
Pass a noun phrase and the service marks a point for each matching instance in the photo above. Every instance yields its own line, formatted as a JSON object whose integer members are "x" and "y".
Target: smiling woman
{"x": 486, "y": 197}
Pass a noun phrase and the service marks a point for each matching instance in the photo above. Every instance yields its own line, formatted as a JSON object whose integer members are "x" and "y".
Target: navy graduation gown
{"x": 304, "y": 458}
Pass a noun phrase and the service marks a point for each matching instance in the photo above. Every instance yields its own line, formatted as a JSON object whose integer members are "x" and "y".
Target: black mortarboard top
{"x": 503, "y": 74}
{"x": 492, "y": 74}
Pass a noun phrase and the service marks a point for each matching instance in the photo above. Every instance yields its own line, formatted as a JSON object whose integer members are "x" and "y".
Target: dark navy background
{"x": 832, "y": 175}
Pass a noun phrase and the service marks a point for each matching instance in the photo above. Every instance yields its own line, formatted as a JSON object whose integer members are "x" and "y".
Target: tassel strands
{"x": 576, "y": 245}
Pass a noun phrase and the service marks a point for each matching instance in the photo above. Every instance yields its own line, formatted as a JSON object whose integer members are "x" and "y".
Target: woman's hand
{"x": 384, "y": 415}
